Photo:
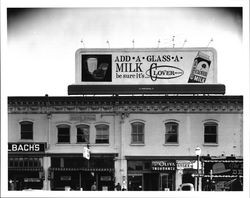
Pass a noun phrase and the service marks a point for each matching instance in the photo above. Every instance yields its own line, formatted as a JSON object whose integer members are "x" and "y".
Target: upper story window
{"x": 63, "y": 133}
{"x": 137, "y": 133}
{"x": 26, "y": 130}
{"x": 102, "y": 134}
{"x": 82, "y": 133}
{"x": 171, "y": 135}
{"x": 211, "y": 132}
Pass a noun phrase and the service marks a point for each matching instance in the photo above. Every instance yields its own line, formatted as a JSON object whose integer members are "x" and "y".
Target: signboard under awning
{"x": 223, "y": 168}
{"x": 22, "y": 147}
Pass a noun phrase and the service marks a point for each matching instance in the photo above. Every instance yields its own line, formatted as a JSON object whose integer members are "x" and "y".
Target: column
{"x": 123, "y": 161}
{"x": 46, "y": 165}
{"x": 178, "y": 180}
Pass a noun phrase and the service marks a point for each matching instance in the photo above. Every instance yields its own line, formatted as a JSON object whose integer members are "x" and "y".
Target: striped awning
{"x": 81, "y": 169}
{"x": 223, "y": 161}
{"x": 40, "y": 169}
{"x": 224, "y": 176}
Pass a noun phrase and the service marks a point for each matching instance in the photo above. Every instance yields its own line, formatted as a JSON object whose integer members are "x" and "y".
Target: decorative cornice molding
{"x": 129, "y": 104}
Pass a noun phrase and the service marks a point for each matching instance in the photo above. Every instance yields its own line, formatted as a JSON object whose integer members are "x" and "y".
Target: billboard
{"x": 155, "y": 66}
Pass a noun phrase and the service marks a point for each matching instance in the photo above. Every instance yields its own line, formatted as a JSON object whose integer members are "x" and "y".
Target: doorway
{"x": 151, "y": 181}
{"x": 135, "y": 182}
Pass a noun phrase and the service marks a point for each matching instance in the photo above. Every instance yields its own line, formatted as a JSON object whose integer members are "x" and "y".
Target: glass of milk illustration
{"x": 92, "y": 64}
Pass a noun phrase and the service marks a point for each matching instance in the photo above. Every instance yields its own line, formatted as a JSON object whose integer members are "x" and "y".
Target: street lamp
{"x": 198, "y": 153}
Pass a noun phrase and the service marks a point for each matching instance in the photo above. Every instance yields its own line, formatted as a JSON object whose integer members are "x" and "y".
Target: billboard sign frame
{"x": 131, "y": 66}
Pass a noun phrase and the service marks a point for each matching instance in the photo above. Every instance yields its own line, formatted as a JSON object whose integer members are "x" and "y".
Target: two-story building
{"x": 142, "y": 142}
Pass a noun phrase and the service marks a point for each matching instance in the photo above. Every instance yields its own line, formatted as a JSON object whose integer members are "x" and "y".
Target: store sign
{"x": 223, "y": 167}
{"x": 26, "y": 147}
{"x": 105, "y": 178}
{"x": 65, "y": 178}
{"x": 32, "y": 180}
{"x": 184, "y": 164}
{"x": 82, "y": 117}
{"x": 163, "y": 165}
{"x": 146, "y": 66}
{"x": 86, "y": 153}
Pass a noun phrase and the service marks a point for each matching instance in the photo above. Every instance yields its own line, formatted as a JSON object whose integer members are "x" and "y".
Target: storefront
{"x": 185, "y": 170}
{"x": 77, "y": 173}
{"x": 151, "y": 175}
{"x": 223, "y": 175}
{"x": 25, "y": 166}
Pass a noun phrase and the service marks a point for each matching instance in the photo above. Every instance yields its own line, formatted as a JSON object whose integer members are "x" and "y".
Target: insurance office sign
{"x": 146, "y": 66}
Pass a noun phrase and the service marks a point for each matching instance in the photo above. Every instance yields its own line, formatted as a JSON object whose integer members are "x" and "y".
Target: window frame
{"x": 21, "y": 130}
{"x": 102, "y": 134}
{"x": 210, "y": 123}
{"x": 133, "y": 133}
{"x": 63, "y": 126}
{"x": 173, "y": 123}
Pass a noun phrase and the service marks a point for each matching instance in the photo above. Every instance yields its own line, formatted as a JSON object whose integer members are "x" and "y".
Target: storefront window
{"x": 137, "y": 134}
{"x": 26, "y": 130}
{"x": 210, "y": 132}
{"x": 102, "y": 134}
{"x": 63, "y": 133}
{"x": 82, "y": 134}
{"x": 25, "y": 162}
{"x": 171, "y": 135}
{"x": 139, "y": 165}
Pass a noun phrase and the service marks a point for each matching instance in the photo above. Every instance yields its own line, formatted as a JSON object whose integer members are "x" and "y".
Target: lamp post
{"x": 198, "y": 153}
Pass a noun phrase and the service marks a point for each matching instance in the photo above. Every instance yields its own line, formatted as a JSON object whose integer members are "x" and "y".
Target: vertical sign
{"x": 86, "y": 153}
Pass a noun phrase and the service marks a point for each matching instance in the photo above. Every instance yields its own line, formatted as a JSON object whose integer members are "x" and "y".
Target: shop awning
{"x": 222, "y": 161}
{"x": 40, "y": 169}
{"x": 224, "y": 176}
{"x": 81, "y": 169}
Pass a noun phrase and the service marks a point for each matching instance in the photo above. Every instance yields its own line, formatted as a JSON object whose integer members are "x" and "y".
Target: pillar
{"x": 46, "y": 165}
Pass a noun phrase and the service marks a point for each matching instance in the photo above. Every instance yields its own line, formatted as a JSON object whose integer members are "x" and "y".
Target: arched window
{"x": 63, "y": 133}
{"x": 26, "y": 130}
{"x": 171, "y": 133}
{"x": 137, "y": 133}
{"x": 211, "y": 132}
{"x": 102, "y": 134}
{"x": 82, "y": 133}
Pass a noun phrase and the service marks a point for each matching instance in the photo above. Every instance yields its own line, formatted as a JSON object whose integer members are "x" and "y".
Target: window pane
{"x": 210, "y": 129}
{"x": 210, "y": 139}
{"x": 171, "y": 138}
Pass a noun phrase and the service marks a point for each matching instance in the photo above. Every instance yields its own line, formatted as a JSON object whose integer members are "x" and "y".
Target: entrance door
{"x": 187, "y": 178}
{"x": 151, "y": 181}
{"x": 135, "y": 182}
{"x": 166, "y": 181}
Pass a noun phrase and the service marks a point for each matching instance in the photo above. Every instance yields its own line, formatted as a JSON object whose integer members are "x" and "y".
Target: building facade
{"x": 141, "y": 142}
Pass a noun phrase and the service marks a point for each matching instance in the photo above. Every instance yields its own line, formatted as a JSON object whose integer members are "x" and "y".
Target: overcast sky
{"x": 42, "y": 42}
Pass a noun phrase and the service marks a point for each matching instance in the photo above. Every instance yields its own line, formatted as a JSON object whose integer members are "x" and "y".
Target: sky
{"x": 41, "y": 42}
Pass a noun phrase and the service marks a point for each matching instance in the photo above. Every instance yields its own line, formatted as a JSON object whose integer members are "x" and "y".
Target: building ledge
{"x": 137, "y": 144}
{"x": 207, "y": 144}
{"x": 173, "y": 144}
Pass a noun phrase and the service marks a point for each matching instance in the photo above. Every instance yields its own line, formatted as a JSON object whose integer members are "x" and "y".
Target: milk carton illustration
{"x": 200, "y": 68}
